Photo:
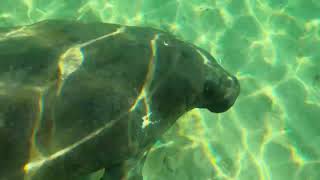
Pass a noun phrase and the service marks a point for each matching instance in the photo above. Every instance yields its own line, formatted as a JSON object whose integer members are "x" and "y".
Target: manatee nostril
{"x": 231, "y": 86}
{"x": 220, "y": 94}
{"x": 229, "y": 81}
{"x": 232, "y": 82}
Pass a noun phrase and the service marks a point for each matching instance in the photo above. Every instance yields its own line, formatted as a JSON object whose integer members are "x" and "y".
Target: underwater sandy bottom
{"x": 273, "y": 47}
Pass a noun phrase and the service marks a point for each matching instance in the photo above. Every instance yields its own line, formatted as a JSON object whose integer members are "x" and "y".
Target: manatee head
{"x": 220, "y": 89}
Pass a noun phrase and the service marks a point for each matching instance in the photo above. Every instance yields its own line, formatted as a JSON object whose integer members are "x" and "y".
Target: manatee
{"x": 78, "y": 97}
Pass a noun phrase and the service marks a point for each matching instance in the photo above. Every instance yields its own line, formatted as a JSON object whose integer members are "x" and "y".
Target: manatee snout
{"x": 220, "y": 95}
{"x": 220, "y": 89}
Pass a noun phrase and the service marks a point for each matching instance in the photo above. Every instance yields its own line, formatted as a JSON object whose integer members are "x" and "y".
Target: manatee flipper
{"x": 126, "y": 172}
{"x": 136, "y": 172}
{"x": 120, "y": 172}
{"x": 116, "y": 172}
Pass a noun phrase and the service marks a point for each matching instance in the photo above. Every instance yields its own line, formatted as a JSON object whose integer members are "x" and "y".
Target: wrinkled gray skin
{"x": 36, "y": 104}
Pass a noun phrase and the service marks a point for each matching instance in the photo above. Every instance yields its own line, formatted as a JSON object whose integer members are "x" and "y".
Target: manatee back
{"x": 86, "y": 75}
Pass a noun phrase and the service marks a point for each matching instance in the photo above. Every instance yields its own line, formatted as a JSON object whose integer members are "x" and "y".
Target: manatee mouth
{"x": 219, "y": 97}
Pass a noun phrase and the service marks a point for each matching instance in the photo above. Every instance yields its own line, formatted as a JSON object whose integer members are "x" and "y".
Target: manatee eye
{"x": 212, "y": 90}
{"x": 184, "y": 54}
{"x": 208, "y": 89}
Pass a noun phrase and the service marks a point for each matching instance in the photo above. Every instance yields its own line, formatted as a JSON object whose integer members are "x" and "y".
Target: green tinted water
{"x": 273, "y": 131}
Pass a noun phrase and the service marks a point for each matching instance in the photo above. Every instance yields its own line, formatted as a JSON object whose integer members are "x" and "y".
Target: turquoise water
{"x": 273, "y": 47}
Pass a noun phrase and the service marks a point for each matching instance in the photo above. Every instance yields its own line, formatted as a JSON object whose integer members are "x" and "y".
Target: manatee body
{"x": 76, "y": 97}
